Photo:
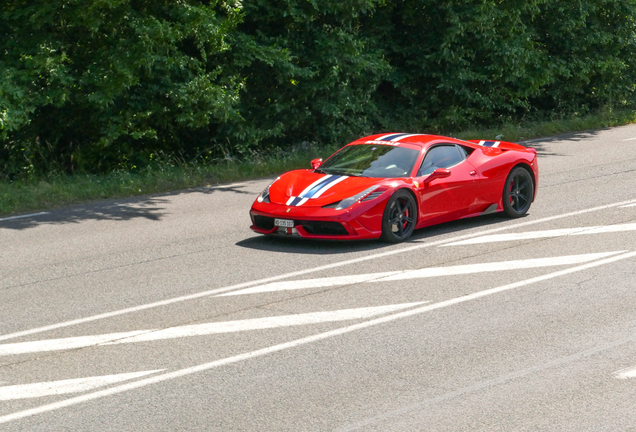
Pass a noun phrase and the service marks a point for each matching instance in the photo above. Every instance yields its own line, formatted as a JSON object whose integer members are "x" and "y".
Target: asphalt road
{"x": 166, "y": 313}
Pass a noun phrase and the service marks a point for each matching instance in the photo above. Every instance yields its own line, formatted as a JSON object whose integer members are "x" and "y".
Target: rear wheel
{"x": 518, "y": 192}
{"x": 400, "y": 215}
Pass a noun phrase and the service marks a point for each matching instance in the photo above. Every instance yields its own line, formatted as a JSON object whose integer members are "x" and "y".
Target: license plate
{"x": 284, "y": 223}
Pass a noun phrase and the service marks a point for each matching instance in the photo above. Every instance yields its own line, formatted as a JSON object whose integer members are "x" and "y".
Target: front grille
{"x": 264, "y": 222}
{"x": 323, "y": 228}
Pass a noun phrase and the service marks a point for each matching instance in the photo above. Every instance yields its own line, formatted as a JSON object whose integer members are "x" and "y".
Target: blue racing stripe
{"x": 296, "y": 201}
{"x": 390, "y": 137}
{"x": 320, "y": 185}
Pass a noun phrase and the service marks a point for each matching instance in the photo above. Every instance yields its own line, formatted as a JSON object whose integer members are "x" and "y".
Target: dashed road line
{"x": 302, "y": 341}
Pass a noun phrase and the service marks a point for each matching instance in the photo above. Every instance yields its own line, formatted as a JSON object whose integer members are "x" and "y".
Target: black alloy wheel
{"x": 399, "y": 218}
{"x": 518, "y": 192}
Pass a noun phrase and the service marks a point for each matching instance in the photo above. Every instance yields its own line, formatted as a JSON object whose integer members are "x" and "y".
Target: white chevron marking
{"x": 78, "y": 385}
{"x": 200, "y": 329}
{"x": 421, "y": 273}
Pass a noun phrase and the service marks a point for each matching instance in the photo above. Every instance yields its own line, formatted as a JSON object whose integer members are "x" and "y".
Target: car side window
{"x": 442, "y": 156}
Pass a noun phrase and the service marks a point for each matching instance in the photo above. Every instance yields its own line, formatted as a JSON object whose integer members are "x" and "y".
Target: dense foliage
{"x": 103, "y": 84}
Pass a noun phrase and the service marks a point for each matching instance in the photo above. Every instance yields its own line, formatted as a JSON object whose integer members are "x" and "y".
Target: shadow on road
{"x": 119, "y": 210}
{"x": 279, "y": 244}
{"x": 148, "y": 207}
{"x": 540, "y": 143}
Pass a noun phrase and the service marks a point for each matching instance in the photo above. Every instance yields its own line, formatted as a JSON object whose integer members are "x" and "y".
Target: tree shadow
{"x": 147, "y": 207}
{"x": 111, "y": 210}
{"x": 234, "y": 188}
{"x": 298, "y": 245}
{"x": 540, "y": 144}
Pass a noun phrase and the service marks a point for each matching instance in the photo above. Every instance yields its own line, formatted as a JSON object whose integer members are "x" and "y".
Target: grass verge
{"x": 60, "y": 190}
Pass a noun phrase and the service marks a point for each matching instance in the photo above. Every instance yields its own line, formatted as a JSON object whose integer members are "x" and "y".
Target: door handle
{"x": 473, "y": 173}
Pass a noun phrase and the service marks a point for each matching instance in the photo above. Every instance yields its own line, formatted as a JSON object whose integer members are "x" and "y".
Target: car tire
{"x": 399, "y": 218}
{"x": 518, "y": 192}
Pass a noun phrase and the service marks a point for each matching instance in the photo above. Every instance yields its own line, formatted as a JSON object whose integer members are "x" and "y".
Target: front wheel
{"x": 399, "y": 218}
{"x": 518, "y": 192}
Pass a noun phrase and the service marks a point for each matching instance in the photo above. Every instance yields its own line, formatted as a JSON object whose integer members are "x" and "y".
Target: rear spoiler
{"x": 504, "y": 145}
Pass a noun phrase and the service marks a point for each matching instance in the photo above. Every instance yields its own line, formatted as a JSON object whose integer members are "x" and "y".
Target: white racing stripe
{"x": 313, "y": 185}
{"x": 78, "y": 385}
{"x": 201, "y": 329}
{"x": 421, "y": 273}
{"x": 329, "y": 186}
{"x": 546, "y": 234}
{"x": 298, "y": 342}
{"x": 626, "y": 373}
{"x": 419, "y": 244}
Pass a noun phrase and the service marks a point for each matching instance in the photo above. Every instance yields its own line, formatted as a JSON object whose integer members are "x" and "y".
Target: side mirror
{"x": 316, "y": 163}
{"x": 438, "y": 173}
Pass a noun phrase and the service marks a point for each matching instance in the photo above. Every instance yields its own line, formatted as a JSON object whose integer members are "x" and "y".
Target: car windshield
{"x": 371, "y": 161}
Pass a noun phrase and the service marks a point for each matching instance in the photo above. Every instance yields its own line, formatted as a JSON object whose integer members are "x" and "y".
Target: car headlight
{"x": 264, "y": 196}
{"x": 348, "y": 202}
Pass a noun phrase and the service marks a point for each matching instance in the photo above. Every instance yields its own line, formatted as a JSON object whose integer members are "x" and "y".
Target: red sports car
{"x": 387, "y": 185}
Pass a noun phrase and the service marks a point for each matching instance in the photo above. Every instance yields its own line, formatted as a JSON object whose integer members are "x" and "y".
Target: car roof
{"x": 402, "y": 139}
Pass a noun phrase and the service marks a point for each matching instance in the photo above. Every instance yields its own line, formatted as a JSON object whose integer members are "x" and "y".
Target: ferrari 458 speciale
{"x": 387, "y": 185}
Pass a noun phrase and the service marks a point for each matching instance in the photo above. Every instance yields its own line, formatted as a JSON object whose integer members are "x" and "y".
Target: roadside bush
{"x": 104, "y": 85}
{"x": 97, "y": 85}
{"x": 309, "y": 72}
{"x": 459, "y": 63}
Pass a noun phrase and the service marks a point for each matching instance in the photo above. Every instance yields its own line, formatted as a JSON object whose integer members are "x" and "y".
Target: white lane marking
{"x": 298, "y": 342}
{"x": 420, "y": 273}
{"x": 300, "y": 272}
{"x": 23, "y": 216}
{"x": 64, "y": 344}
{"x": 497, "y": 266}
{"x": 629, "y": 205}
{"x": 310, "y": 283}
{"x": 546, "y": 234}
{"x": 77, "y": 385}
{"x": 201, "y": 329}
{"x": 630, "y": 139}
{"x": 626, "y": 373}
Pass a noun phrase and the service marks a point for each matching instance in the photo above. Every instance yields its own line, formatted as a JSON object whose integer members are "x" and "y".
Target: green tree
{"x": 93, "y": 84}
{"x": 309, "y": 72}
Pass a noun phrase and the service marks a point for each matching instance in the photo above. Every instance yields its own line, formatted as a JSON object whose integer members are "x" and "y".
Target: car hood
{"x": 309, "y": 189}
